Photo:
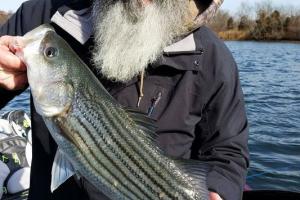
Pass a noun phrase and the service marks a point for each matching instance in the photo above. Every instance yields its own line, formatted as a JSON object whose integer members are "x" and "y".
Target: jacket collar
{"x": 186, "y": 44}
{"x": 186, "y": 54}
{"x": 77, "y": 23}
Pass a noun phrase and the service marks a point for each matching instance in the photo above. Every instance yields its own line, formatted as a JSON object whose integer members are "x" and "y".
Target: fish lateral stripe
{"x": 130, "y": 170}
{"x": 112, "y": 151}
{"x": 89, "y": 160}
{"x": 112, "y": 114}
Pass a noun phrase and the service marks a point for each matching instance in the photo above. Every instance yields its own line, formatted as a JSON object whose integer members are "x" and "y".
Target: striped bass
{"x": 111, "y": 147}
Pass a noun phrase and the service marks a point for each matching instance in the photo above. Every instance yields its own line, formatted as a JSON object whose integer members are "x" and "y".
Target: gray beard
{"x": 129, "y": 37}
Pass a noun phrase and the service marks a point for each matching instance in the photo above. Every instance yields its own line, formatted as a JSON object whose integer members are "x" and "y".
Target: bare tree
{"x": 263, "y": 21}
{"x": 265, "y": 5}
{"x": 245, "y": 9}
{"x": 219, "y": 22}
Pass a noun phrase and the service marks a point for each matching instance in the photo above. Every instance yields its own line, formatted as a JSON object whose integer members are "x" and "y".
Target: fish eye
{"x": 51, "y": 52}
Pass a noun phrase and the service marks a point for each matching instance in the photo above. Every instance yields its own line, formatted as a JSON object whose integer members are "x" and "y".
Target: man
{"x": 152, "y": 55}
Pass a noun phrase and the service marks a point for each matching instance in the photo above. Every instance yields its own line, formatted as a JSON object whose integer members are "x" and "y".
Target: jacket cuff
{"x": 225, "y": 187}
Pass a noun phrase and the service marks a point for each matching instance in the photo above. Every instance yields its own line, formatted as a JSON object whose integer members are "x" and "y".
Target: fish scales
{"x": 162, "y": 178}
{"x": 92, "y": 172}
{"x": 131, "y": 140}
{"x": 139, "y": 159}
{"x": 104, "y": 168}
{"x": 145, "y": 153}
{"x": 158, "y": 169}
{"x": 92, "y": 146}
{"x": 132, "y": 143}
{"x": 112, "y": 148}
{"x": 148, "y": 153}
{"x": 118, "y": 161}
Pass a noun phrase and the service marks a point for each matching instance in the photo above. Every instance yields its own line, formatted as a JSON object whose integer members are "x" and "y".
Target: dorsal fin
{"x": 197, "y": 171}
{"x": 143, "y": 122}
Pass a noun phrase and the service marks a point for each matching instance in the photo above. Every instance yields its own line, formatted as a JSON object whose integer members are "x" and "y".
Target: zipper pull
{"x": 155, "y": 101}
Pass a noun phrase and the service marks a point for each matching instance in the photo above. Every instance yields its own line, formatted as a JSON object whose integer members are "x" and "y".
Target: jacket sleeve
{"x": 29, "y": 15}
{"x": 224, "y": 129}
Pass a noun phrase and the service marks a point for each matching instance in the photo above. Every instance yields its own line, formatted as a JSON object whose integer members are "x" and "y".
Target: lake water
{"x": 270, "y": 76}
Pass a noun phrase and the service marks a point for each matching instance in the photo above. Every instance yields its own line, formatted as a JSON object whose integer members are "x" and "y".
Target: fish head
{"x": 44, "y": 53}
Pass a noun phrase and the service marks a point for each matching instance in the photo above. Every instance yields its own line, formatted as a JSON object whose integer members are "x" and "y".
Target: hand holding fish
{"x": 214, "y": 196}
{"x": 12, "y": 69}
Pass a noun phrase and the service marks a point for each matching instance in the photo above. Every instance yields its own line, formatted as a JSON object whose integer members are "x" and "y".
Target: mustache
{"x": 132, "y": 8}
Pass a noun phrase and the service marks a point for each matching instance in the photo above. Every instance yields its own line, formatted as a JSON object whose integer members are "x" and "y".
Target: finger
{"x": 9, "y": 70}
{"x": 5, "y": 48}
{"x": 12, "y": 42}
{"x": 214, "y": 196}
{"x": 6, "y": 40}
{"x": 14, "y": 81}
{"x": 10, "y": 61}
{"x": 16, "y": 44}
{"x": 6, "y": 74}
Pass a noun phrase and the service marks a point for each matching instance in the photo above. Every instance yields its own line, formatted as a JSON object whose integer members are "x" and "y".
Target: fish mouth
{"x": 33, "y": 37}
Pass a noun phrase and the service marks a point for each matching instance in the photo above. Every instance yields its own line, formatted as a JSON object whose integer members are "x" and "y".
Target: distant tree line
{"x": 268, "y": 24}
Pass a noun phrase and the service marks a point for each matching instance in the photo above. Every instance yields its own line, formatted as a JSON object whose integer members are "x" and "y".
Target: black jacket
{"x": 193, "y": 92}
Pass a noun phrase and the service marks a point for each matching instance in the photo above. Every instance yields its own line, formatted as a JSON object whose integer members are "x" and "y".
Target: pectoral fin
{"x": 197, "y": 171}
{"x": 62, "y": 170}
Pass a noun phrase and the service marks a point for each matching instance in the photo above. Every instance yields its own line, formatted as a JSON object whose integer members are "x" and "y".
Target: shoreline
{"x": 236, "y": 35}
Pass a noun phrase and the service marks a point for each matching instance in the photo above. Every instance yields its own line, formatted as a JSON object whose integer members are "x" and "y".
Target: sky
{"x": 233, "y": 5}
{"x": 230, "y": 5}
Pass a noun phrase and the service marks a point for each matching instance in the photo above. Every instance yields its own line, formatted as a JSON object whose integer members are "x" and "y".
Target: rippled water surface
{"x": 270, "y": 76}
